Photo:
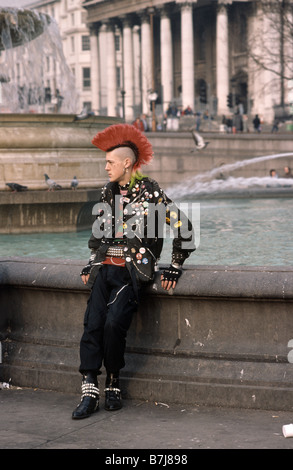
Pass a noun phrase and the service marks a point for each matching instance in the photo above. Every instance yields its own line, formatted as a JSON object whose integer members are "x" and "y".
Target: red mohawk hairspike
{"x": 125, "y": 135}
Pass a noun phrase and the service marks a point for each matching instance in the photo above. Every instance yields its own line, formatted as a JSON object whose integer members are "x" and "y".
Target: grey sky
{"x": 14, "y": 3}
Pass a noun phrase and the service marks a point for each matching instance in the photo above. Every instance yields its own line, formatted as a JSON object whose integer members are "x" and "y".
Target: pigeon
{"x": 51, "y": 183}
{"x": 74, "y": 183}
{"x": 200, "y": 144}
{"x": 15, "y": 187}
{"x": 85, "y": 114}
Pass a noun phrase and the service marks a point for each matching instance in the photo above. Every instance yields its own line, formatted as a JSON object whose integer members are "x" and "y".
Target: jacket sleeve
{"x": 184, "y": 236}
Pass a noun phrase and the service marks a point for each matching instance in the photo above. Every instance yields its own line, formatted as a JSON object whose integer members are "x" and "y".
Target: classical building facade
{"x": 201, "y": 54}
{"x": 197, "y": 53}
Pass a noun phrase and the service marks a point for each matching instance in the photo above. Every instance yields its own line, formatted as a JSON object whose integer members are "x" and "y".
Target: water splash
{"x": 18, "y": 26}
{"x": 34, "y": 74}
{"x": 216, "y": 180}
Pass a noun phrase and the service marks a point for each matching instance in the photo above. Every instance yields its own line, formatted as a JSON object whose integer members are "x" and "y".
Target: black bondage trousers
{"x": 107, "y": 319}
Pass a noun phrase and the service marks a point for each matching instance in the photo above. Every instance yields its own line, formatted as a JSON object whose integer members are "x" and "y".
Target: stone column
{"x": 111, "y": 72}
{"x": 187, "y": 55}
{"x": 146, "y": 61}
{"x": 222, "y": 59}
{"x": 136, "y": 68}
{"x": 166, "y": 58}
{"x": 95, "y": 69}
{"x": 103, "y": 69}
{"x": 128, "y": 69}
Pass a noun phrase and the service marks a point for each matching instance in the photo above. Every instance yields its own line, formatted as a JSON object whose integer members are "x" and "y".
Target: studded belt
{"x": 115, "y": 251}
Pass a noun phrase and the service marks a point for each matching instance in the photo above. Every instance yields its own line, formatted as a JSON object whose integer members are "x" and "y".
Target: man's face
{"x": 115, "y": 166}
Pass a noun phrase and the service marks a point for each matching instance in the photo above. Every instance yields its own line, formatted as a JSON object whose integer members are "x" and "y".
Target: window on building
{"x": 72, "y": 19}
{"x": 202, "y": 44}
{"x": 48, "y": 95}
{"x": 117, "y": 42}
{"x": 118, "y": 77}
{"x": 72, "y": 44}
{"x": 85, "y": 43}
{"x": 201, "y": 90}
{"x": 86, "y": 77}
{"x": 18, "y": 71}
{"x": 73, "y": 72}
{"x": 242, "y": 44}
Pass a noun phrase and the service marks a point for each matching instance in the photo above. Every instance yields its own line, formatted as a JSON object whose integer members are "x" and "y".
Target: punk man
{"x": 126, "y": 242}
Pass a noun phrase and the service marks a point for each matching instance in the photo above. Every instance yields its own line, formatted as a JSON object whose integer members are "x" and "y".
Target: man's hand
{"x": 85, "y": 273}
{"x": 85, "y": 278}
{"x": 167, "y": 284}
{"x": 170, "y": 277}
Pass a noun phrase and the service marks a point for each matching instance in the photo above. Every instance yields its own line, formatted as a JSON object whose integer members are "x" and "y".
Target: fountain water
{"x": 218, "y": 180}
{"x": 34, "y": 75}
{"x": 39, "y": 132}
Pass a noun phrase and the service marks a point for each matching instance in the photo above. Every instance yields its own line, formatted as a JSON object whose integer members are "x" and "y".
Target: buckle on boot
{"x": 112, "y": 399}
{"x": 89, "y": 401}
{"x": 89, "y": 390}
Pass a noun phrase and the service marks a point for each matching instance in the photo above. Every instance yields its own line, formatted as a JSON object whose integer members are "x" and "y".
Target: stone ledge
{"x": 47, "y": 212}
{"x": 221, "y": 338}
{"x": 49, "y": 197}
{"x": 250, "y": 282}
{"x": 24, "y": 119}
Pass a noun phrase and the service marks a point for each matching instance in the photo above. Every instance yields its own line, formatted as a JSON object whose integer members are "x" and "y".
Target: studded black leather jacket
{"x": 135, "y": 221}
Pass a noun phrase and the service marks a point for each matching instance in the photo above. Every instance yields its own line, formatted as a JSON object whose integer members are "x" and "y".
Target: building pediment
{"x": 99, "y": 10}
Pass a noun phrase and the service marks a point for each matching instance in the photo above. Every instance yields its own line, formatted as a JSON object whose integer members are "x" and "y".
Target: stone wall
{"x": 44, "y": 211}
{"x": 31, "y": 145}
{"x": 221, "y": 338}
{"x": 176, "y": 159}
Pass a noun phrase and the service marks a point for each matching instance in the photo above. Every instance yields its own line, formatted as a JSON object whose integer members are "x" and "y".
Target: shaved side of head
{"x": 124, "y": 152}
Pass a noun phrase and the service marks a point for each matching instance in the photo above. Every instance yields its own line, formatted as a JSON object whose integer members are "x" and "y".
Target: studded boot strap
{"x": 89, "y": 390}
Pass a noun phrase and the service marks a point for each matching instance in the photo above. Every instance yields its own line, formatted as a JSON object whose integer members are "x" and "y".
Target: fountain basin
{"x": 46, "y": 211}
{"x": 59, "y": 145}
{"x": 234, "y": 231}
{"x": 56, "y": 144}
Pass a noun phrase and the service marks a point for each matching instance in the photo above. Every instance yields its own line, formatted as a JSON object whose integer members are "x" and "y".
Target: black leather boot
{"x": 112, "y": 393}
{"x": 89, "y": 397}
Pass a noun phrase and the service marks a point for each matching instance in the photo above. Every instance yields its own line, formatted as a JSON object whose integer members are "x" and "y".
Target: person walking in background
{"x": 273, "y": 173}
{"x": 275, "y": 127}
{"x": 256, "y": 123}
{"x": 197, "y": 121}
{"x": 229, "y": 124}
{"x": 287, "y": 172}
{"x": 145, "y": 123}
{"x": 237, "y": 122}
{"x": 138, "y": 124}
